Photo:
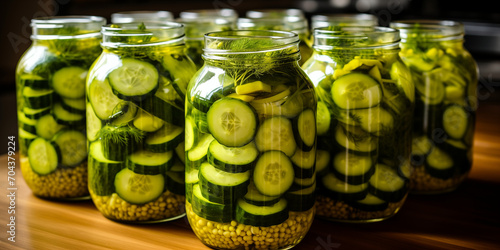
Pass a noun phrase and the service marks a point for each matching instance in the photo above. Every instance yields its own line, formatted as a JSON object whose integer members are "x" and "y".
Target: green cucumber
{"x": 261, "y": 216}
{"x": 220, "y": 186}
{"x": 123, "y": 113}
{"x": 102, "y": 171}
{"x": 118, "y": 142}
{"x": 370, "y": 203}
{"x": 138, "y": 189}
{"x": 94, "y": 124}
{"x": 273, "y": 173}
{"x": 343, "y": 191}
{"x": 25, "y": 139}
{"x": 455, "y": 121}
{"x": 356, "y": 91}
{"x": 47, "y": 126}
{"x": 175, "y": 182}
{"x": 304, "y": 129}
{"x": 102, "y": 98}
{"x": 387, "y": 185}
{"x": 35, "y": 113}
{"x": 322, "y": 161}
{"x": 74, "y": 105}
{"x": 150, "y": 163}
{"x": 199, "y": 151}
{"x": 37, "y": 98}
{"x": 44, "y": 156}
{"x": 147, "y": 122}
{"x": 191, "y": 135}
{"x": 35, "y": 82}
{"x": 355, "y": 140}
{"x": 232, "y": 159}
{"x": 302, "y": 199}
{"x": 73, "y": 147}
{"x": 232, "y": 122}
{"x": 210, "y": 210}
{"x": 165, "y": 139}
{"x": 64, "y": 117}
{"x": 134, "y": 80}
{"x": 254, "y": 197}
{"x": 323, "y": 119}
{"x": 304, "y": 163}
{"x": 276, "y": 133}
{"x": 374, "y": 120}
{"x": 163, "y": 110}
{"x": 69, "y": 82}
{"x": 353, "y": 169}
{"x": 439, "y": 164}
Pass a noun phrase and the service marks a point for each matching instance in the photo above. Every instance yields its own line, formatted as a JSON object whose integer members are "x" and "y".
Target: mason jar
{"x": 280, "y": 19}
{"x": 142, "y": 16}
{"x": 250, "y": 142}
{"x": 445, "y": 77}
{"x": 318, "y": 21}
{"x": 200, "y": 22}
{"x": 365, "y": 105}
{"x": 50, "y": 83}
{"x": 135, "y": 122}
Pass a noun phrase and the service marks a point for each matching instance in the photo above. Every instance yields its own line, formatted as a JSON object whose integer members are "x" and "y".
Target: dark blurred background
{"x": 481, "y": 19}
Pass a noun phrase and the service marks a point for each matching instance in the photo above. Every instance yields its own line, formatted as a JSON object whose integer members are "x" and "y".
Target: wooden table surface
{"x": 468, "y": 218}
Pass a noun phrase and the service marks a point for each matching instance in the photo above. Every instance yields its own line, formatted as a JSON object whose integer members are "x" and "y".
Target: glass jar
{"x": 250, "y": 142}
{"x": 280, "y": 19}
{"x": 318, "y": 21}
{"x": 445, "y": 77}
{"x": 50, "y": 82}
{"x": 142, "y": 16}
{"x": 135, "y": 128}
{"x": 200, "y": 22}
{"x": 365, "y": 105}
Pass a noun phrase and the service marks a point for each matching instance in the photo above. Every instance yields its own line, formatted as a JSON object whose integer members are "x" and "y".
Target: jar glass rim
{"x": 429, "y": 28}
{"x": 141, "y": 15}
{"x": 167, "y": 32}
{"x": 323, "y": 20}
{"x": 289, "y": 23}
{"x": 266, "y": 13}
{"x": 208, "y": 15}
{"x": 55, "y": 22}
{"x": 278, "y": 40}
{"x": 355, "y": 36}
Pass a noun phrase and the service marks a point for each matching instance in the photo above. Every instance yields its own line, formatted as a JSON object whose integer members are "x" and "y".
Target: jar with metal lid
{"x": 279, "y": 19}
{"x": 365, "y": 105}
{"x": 250, "y": 142}
{"x": 445, "y": 77}
{"x": 200, "y": 22}
{"x": 135, "y": 122}
{"x": 142, "y": 16}
{"x": 50, "y": 82}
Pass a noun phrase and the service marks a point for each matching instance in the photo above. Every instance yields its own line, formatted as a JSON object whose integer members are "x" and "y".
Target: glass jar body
{"x": 50, "y": 83}
{"x": 445, "y": 77}
{"x": 247, "y": 172}
{"x": 135, "y": 131}
{"x": 365, "y": 106}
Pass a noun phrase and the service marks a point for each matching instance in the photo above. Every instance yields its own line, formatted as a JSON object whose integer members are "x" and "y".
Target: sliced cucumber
{"x": 134, "y": 80}
{"x": 102, "y": 171}
{"x": 273, "y": 173}
{"x": 355, "y": 91}
{"x": 165, "y": 139}
{"x": 253, "y": 88}
{"x": 254, "y": 197}
{"x": 175, "y": 182}
{"x": 353, "y": 169}
{"x": 74, "y": 105}
{"x": 340, "y": 190}
{"x": 123, "y": 113}
{"x": 191, "y": 135}
{"x": 25, "y": 139}
{"x": 276, "y": 133}
{"x": 138, "y": 188}
{"x": 64, "y": 117}
{"x": 200, "y": 119}
{"x": 455, "y": 121}
{"x": 323, "y": 119}
{"x": 37, "y": 98}
{"x": 180, "y": 152}
{"x": 355, "y": 140}
{"x": 374, "y": 120}
{"x": 94, "y": 124}
{"x": 387, "y": 185}
{"x": 370, "y": 203}
{"x": 44, "y": 157}
{"x": 163, "y": 110}
{"x": 147, "y": 122}
{"x": 261, "y": 216}
{"x": 102, "y": 99}
{"x": 304, "y": 163}
{"x": 73, "y": 147}
{"x": 302, "y": 199}
{"x": 69, "y": 82}
{"x": 150, "y": 163}
{"x": 47, "y": 127}
{"x": 35, "y": 82}
{"x": 210, "y": 210}
{"x": 305, "y": 129}
{"x": 221, "y": 186}
{"x": 322, "y": 161}
{"x": 199, "y": 152}
{"x": 35, "y": 113}
{"x": 439, "y": 164}
{"x": 232, "y": 122}
{"x": 232, "y": 159}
